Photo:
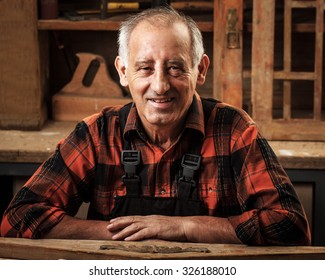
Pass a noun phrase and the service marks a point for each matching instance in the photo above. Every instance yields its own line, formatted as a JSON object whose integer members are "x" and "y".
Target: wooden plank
{"x": 16, "y": 248}
{"x": 304, "y": 4}
{"x": 296, "y": 28}
{"x": 304, "y": 28}
{"x": 18, "y": 146}
{"x": 284, "y": 75}
{"x": 293, "y": 130}
{"x": 304, "y": 155}
{"x": 262, "y": 59}
{"x": 22, "y": 97}
{"x": 227, "y": 62}
{"x": 111, "y": 24}
{"x": 319, "y": 44}
{"x": 63, "y": 24}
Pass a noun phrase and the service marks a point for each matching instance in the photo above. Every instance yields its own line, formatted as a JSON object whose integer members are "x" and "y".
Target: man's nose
{"x": 160, "y": 82}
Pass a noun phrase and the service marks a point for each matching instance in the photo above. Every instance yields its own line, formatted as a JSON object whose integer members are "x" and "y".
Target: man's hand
{"x": 193, "y": 229}
{"x": 131, "y": 228}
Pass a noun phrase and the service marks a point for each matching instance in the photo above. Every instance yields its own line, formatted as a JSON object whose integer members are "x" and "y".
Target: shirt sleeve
{"x": 56, "y": 189}
{"x": 271, "y": 211}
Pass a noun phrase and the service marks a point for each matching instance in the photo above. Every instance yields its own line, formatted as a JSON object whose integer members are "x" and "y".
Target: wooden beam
{"x": 262, "y": 59}
{"x": 287, "y": 58}
{"x": 319, "y": 44}
{"x": 227, "y": 60}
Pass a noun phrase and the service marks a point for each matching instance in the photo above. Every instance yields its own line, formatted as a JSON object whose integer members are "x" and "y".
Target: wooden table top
{"x": 16, "y": 248}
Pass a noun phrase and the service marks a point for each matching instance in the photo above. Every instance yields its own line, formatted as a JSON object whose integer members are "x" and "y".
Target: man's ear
{"x": 121, "y": 69}
{"x": 203, "y": 69}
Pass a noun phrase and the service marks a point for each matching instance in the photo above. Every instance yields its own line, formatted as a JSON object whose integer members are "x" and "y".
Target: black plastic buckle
{"x": 190, "y": 164}
{"x": 130, "y": 159}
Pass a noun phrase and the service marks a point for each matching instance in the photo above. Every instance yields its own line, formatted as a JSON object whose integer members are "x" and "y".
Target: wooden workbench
{"x": 16, "y": 248}
{"x": 18, "y": 146}
{"x": 35, "y": 146}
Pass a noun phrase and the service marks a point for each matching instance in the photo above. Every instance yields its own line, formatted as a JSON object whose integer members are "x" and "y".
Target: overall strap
{"x": 129, "y": 158}
{"x": 187, "y": 187}
{"x": 123, "y": 115}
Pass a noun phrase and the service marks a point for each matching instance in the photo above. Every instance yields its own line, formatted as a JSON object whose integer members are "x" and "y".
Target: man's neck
{"x": 164, "y": 137}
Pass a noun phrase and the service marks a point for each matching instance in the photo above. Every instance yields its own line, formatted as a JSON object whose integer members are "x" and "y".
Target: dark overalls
{"x": 187, "y": 202}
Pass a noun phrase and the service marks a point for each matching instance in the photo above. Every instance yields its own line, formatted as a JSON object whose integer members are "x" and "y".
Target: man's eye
{"x": 145, "y": 69}
{"x": 175, "y": 71}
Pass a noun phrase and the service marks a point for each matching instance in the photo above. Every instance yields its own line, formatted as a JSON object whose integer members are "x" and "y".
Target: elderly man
{"x": 170, "y": 166}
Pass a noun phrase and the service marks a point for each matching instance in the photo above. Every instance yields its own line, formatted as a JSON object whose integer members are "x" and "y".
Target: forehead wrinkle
{"x": 178, "y": 26}
{"x": 140, "y": 53}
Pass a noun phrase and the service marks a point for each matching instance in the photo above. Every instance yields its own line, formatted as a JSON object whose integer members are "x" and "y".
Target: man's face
{"x": 160, "y": 74}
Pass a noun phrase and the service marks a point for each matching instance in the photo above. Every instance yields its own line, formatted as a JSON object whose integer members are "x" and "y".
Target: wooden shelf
{"x": 63, "y": 24}
{"x": 96, "y": 24}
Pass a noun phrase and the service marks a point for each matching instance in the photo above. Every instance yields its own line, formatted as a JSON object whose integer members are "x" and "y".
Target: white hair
{"x": 160, "y": 16}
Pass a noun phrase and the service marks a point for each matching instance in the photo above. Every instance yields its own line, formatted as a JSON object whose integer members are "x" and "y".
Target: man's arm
{"x": 73, "y": 228}
{"x": 203, "y": 229}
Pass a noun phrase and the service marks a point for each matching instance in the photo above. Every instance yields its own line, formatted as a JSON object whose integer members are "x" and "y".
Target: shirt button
{"x": 163, "y": 191}
{"x": 210, "y": 189}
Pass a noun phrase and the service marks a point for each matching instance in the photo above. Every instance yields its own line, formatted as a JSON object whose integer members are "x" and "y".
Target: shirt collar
{"x": 194, "y": 120}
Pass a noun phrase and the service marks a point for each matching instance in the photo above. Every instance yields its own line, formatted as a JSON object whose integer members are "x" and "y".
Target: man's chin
{"x": 161, "y": 120}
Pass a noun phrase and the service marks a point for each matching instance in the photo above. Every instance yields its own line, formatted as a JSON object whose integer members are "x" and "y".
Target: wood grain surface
{"x": 15, "y": 248}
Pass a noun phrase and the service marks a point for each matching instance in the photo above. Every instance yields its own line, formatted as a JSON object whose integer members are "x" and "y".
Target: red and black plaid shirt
{"x": 240, "y": 176}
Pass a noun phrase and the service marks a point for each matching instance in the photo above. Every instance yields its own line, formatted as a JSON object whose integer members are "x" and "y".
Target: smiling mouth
{"x": 165, "y": 100}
